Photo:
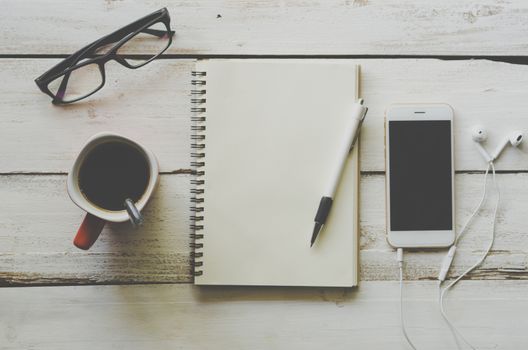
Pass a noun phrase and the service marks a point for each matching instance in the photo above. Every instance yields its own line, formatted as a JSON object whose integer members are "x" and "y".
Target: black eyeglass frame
{"x": 119, "y": 37}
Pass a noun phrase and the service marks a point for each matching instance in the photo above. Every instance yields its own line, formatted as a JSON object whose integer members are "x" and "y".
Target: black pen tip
{"x": 315, "y": 233}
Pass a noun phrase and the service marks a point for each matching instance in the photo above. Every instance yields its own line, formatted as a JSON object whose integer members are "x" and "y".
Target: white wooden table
{"x": 134, "y": 289}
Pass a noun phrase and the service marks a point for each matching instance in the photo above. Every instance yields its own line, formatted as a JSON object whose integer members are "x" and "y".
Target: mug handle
{"x": 88, "y": 232}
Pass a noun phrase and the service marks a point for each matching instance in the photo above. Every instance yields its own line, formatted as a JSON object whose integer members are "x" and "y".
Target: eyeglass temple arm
{"x": 117, "y": 36}
{"x": 123, "y": 33}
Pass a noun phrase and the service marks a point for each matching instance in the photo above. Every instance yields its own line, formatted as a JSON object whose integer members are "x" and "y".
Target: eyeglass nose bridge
{"x": 121, "y": 60}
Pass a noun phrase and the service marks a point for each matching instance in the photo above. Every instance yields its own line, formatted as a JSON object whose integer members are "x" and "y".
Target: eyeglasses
{"x": 133, "y": 46}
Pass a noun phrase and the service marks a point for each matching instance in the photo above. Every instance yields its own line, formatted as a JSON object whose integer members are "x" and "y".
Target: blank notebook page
{"x": 272, "y": 131}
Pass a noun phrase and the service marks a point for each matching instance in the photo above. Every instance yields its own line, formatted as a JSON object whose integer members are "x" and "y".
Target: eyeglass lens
{"x": 79, "y": 83}
{"x": 147, "y": 44}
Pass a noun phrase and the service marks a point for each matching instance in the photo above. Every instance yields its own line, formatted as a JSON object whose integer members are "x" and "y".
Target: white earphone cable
{"x": 399, "y": 254}
{"x": 448, "y": 260}
{"x": 444, "y": 291}
{"x": 477, "y": 209}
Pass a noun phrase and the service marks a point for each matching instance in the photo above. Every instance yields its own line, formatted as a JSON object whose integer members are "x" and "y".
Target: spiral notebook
{"x": 264, "y": 132}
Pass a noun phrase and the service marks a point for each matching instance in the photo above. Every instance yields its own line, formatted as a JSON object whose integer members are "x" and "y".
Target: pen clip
{"x": 358, "y": 128}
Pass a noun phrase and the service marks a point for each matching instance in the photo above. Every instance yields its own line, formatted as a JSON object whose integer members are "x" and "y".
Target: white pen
{"x": 349, "y": 139}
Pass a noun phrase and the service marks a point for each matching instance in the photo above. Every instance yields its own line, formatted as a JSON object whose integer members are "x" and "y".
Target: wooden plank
{"x": 241, "y": 27}
{"x": 474, "y": 89}
{"x": 508, "y": 259}
{"x": 187, "y": 317}
{"x": 38, "y": 222}
{"x": 152, "y": 106}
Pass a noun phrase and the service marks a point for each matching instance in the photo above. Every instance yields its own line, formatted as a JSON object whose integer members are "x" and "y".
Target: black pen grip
{"x": 324, "y": 209}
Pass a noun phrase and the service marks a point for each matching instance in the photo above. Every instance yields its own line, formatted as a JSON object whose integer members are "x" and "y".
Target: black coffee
{"x": 113, "y": 172}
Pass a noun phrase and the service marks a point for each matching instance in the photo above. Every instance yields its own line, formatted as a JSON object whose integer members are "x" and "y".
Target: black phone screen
{"x": 420, "y": 175}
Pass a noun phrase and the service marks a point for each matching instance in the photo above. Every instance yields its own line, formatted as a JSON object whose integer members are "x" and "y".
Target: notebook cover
{"x": 262, "y": 162}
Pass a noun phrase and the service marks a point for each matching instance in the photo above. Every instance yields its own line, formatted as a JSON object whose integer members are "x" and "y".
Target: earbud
{"x": 480, "y": 135}
{"x": 514, "y": 139}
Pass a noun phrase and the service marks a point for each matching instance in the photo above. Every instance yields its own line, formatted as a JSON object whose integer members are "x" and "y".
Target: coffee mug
{"x": 110, "y": 170}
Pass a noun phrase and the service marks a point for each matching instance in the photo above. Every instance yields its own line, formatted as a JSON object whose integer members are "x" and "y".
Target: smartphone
{"x": 420, "y": 176}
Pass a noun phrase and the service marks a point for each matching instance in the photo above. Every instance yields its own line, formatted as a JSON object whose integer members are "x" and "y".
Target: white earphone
{"x": 514, "y": 139}
{"x": 479, "y": 135}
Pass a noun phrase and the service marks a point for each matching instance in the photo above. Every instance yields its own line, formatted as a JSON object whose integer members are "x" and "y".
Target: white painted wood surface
{"x": 152, "y": 105}
{"x": 242, "y": 27}
{"x": 39, "y": 142}
{"x": 187, "y": 317}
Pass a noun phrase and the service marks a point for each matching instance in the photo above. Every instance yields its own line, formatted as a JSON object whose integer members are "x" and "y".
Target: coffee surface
{"x": 113, "y": 172}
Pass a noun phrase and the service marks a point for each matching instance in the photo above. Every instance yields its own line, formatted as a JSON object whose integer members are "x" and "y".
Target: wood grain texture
{"x": 187, "y": 317}
{"x": 152, "y": 106}
{"x": 242, "y": 27}
{"x": 38, "y": 222}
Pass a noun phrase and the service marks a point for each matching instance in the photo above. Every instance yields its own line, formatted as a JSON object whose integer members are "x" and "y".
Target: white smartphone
{"x": 420, "y": 176}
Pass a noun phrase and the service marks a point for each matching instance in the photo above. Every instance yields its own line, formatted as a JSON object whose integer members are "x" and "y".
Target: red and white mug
{"x": 96, "y": 217}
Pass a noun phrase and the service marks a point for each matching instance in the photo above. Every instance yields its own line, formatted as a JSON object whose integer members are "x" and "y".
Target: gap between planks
{"x": 518, "y": 60}
{"x": 190, "y": 172}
